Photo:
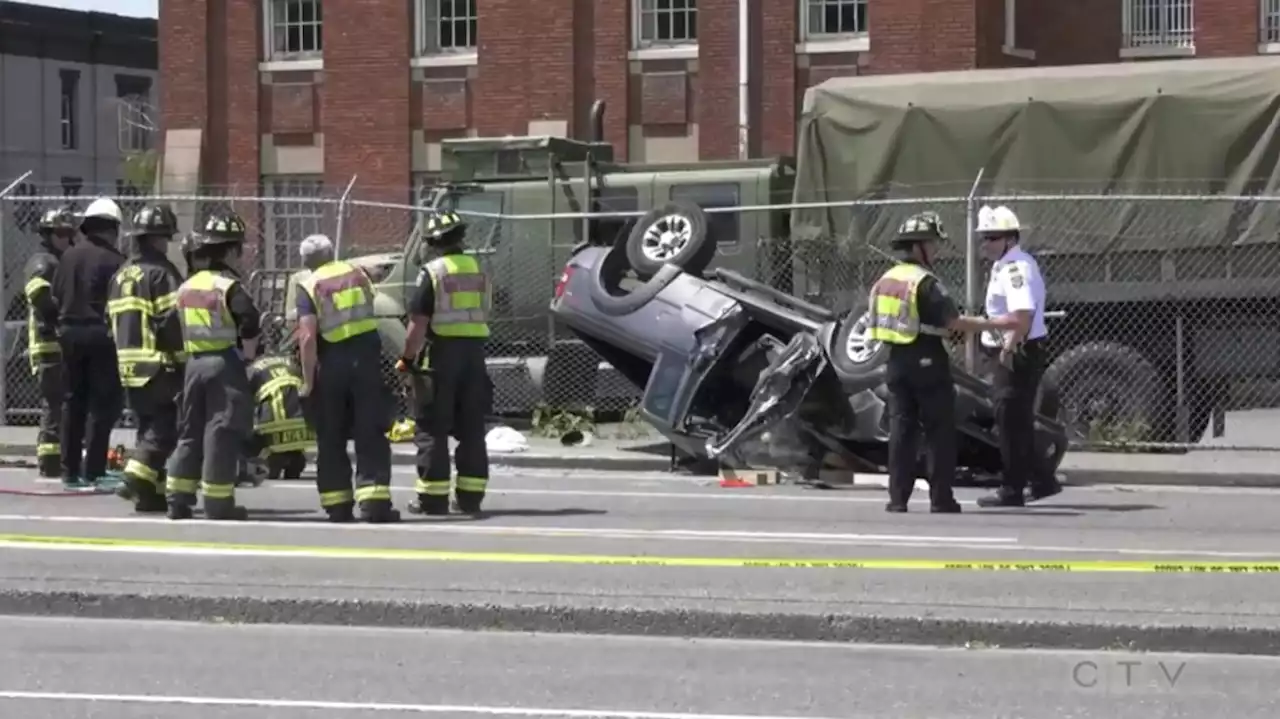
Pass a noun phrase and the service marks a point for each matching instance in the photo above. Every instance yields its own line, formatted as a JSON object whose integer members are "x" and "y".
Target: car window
{"x": 664, "y": 383}
{"x": 721, "y": 226}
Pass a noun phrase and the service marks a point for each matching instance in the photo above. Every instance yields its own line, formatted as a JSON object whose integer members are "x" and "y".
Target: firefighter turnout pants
{"x": 351, "y": 401}
{"x": 215, "y": 423}
{"x": 92, "y": 400}
{"x": 49, "y": 439}
{"x": 457, "y": 399}
{"x": 155, "y": 408}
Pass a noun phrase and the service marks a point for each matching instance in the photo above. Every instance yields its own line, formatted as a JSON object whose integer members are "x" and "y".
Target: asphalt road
{"x": 116, "y": 669}
{"x": 549, "y": 538}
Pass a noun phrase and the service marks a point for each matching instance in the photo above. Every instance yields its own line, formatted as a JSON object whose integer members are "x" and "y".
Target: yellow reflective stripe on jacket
{"x": 472, "y": 484}
{"x": 275, "y": 385}
{"x": 462, "y": 297}
{"x": 895, "y": 308}
{"x": 38, "y": 349}
{"x": 207, "y": 324}
{"x": 343, "y": 299}
{"x": 132, "y": 320}
{"x": 35, "y": 284}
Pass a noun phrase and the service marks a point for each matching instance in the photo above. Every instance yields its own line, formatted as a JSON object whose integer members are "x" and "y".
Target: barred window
{"x": 1270, "y": 25}
{"x": 1159, "y": 23}
{"x": 293, "y": 29}
{"x": 446, "y": 26}
{"x": 661, "y": 23}
{"x": 824, "y": 19}
{"x": 293, "y": 212}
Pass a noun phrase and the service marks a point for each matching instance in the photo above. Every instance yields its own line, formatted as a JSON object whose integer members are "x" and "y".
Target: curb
{"x": 675, "y": 622}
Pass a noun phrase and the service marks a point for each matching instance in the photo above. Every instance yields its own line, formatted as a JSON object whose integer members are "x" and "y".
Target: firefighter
{"x": 280, "y": 428}
{"x": 912, "y": 313}
{"x": 341, "y": 356}
{"x": 148, "y": 335}
{"x": 57, "y": 228}
{"x": 93, "y": 397}
{"x": 452, "y": 391}
{"x": 216, "y": 314}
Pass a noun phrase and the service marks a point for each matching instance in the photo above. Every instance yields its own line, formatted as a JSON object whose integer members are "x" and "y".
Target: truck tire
{"x": 672, "y": 234}
{"x": 853, "y": 353}
{"x": 1108, "y": 391}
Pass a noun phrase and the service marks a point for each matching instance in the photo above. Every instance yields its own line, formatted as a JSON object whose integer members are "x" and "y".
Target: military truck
{"x": 1168, "y": 304}
{"x": 549, "y": 184}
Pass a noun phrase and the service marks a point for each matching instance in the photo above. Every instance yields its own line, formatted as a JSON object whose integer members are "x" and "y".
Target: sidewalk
{"x": 630, "y": 449}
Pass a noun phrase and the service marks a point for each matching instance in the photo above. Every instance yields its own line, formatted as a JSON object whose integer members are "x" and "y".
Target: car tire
{"x": 854, "y": 354}
{"x": 672, "y": 234}
{"x": 1049, "y": 402}
{"x": 1108, "y": 379}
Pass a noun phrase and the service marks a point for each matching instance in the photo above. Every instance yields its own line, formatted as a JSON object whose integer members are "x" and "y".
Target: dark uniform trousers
{"x": 456, "y": 404}
{"x": 1015, "y": 409}
{"x": 921, "y": 398}
{"x": 155, "y": 408}
{"x": 351, "y": 401}
{"x": 92, "y": 401}
{"x": 50, "y": 375}
{"x": 213, "y": 432}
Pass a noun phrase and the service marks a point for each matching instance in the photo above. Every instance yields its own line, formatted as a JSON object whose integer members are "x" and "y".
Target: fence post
{"x": 342, "y": 215}
{"x": 972, "y": 275}
{"x": 4, "y": 389}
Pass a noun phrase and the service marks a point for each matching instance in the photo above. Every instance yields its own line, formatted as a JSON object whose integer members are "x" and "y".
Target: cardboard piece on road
{"x": 730, "y": 477}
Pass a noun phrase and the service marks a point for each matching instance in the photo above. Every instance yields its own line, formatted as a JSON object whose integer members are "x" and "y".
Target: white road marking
{"x": 463, "y": 709}
{"x": 581, "y": 532}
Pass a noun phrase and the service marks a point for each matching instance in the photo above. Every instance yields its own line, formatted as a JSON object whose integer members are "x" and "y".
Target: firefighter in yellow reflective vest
{"x": 453, "y": 394}
{"x": 142, "y": 305}
{"x": 909, "y": 310}
{"x": 279, "y": 424}
{"x": 57, "y": 228}
{"x": 217, "y": 314}
{"x": 341, "y": 354}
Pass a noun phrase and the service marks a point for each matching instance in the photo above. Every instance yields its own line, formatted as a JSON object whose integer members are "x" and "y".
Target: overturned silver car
{"x": 741, "y": 373}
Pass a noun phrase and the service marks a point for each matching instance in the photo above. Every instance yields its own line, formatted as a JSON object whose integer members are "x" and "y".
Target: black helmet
{"x": 922, "y": 227}
{"x": 443, "y": 227}
{"x": 222, "y": 228}
{"x": 155, "y": 220}
{"x": 58, "y": 218}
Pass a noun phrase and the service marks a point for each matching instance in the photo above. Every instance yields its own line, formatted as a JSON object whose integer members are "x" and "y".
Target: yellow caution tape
{"x": 221, "y": 548}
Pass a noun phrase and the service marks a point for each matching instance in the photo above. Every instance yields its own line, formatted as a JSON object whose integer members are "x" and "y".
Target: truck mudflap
{"x": 777, "y": 396}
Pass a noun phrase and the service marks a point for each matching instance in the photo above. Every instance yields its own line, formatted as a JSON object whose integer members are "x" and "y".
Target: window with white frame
{"x": 69, "y": 108}
{"x": 663, "y": 23}
{"x": 833, "y": 19}
{"x": 446, "y": 26}
{"x": 294, "y": 29}
{"x": 1269, "y": 27}
{"x": 1159, "y": 24}
{"x": 293, "y": 212}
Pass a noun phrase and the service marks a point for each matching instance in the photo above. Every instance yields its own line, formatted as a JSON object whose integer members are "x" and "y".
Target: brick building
{"x": 299, "y": 94}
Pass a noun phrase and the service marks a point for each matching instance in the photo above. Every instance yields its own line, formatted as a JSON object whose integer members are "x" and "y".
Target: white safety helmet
{"x": 996, "y": 220}
{"x": 314, "y": 245}
{"x": 103, "y": 208}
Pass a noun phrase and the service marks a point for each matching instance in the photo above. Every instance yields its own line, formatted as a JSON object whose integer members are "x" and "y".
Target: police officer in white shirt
{"x": 1016, "y": 303}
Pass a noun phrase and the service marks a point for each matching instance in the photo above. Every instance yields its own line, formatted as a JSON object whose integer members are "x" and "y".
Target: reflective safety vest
{"x": 207, "y": 324}
{"x": 42, "y": 338}
{"x": 895, "y": 311}
{"x": 343, "y": 298}
{"x": 140, "y": 301}
{"x": 462, "y": 297}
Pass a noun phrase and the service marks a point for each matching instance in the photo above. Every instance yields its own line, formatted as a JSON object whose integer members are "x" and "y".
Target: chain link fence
{"x": 1163, "y": 330}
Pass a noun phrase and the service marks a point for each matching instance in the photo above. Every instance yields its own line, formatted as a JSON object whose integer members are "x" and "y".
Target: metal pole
{"x": 342, "y": 213}
{"x": 4, "y": 389}
{"x": 1180, "y": 388}
{"x": 972, "y": 274}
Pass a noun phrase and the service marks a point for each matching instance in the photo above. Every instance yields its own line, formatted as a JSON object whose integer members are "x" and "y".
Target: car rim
{"x": 857, "y": 347}
{"x": 666, "y": 238}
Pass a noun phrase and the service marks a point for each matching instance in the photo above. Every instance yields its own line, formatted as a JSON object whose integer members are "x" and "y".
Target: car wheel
{"x": 673, "y": 234}
{"x": 1108, "y": 391}
{"x": 855, "y": 352}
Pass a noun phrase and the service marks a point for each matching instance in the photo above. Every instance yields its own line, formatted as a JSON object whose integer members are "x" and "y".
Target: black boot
{"x": 233, "y": 513}
{"x": 1043, "y": 489}
{"x": 430, "y": 505}
{"x": 378, "y": 511}
{"x": 341, "y": 513}
{"x": 50, "y": 466}
{"x": 179, "y": 510}
{"x": 469, "y": 502}
{"x": 149, "y": 501}
{"x": 1002, "y": 498}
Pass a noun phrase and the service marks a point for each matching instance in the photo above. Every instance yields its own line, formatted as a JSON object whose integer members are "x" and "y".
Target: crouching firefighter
{"x": 341, "y": 353}
{"x": 142, "y": 308}
{"x": 280, "y": 428}
{"x": 452, "y": 390}
{"x": 57, "y": 229}
{"x": 216, "y": 418}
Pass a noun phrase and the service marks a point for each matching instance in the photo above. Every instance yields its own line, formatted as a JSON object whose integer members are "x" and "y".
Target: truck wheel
{"x": 1109, "y": 392}
{"x": 854, "y": 352}
{"x": 673, "y": 234}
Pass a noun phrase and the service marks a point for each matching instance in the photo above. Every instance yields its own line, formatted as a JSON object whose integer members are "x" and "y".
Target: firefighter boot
{"x": 378, "y": 511}
{"x": 342, "y": 513}
{"x": 430, "y": 505}
{"x": 49, "y": 465}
